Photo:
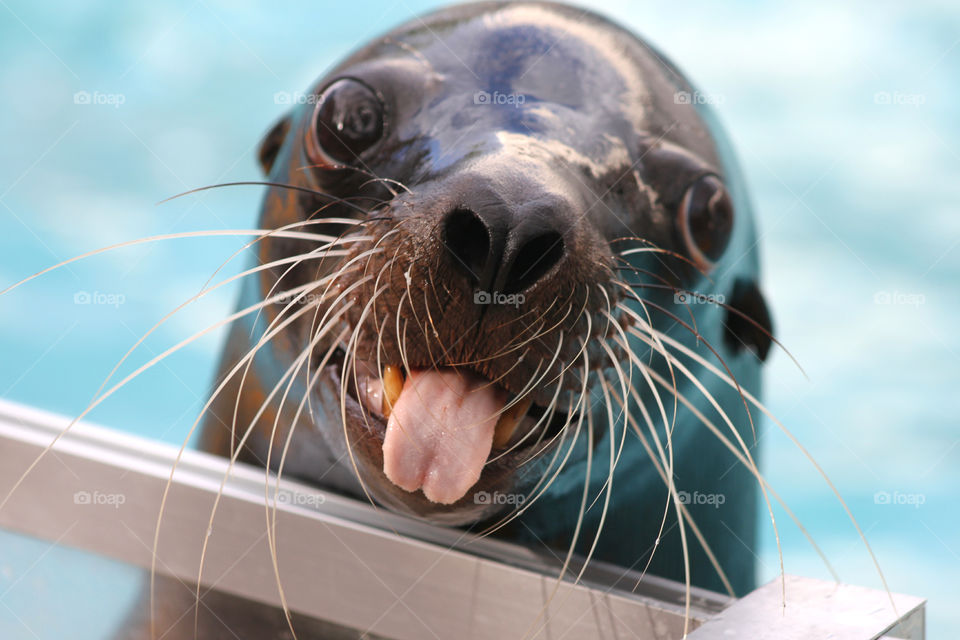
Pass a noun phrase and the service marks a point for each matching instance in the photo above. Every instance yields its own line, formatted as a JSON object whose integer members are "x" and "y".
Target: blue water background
{"x": 846, "y": 117}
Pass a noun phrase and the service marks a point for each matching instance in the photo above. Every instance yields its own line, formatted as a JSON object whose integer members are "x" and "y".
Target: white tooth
{"x": 509, "y": 421}
{"x": 371, "y": 393}
{"x": 392, "y": 386}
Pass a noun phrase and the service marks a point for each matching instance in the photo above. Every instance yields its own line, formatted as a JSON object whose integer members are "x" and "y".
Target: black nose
{"x": 501, "y": 251}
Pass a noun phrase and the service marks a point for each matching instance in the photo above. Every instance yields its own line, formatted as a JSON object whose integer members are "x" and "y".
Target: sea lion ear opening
{"x": 271, "y": 144}
{"x": 748, "y": 322}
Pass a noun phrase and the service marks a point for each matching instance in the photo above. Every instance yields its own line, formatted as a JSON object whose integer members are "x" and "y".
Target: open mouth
{"x": 440, "y": 427}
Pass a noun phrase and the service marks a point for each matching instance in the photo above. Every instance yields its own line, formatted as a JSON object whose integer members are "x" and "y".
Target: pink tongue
{"x": 440, "y": 432}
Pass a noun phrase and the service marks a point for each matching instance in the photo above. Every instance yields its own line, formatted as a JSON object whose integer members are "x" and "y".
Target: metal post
{"x": 106, "y": 486}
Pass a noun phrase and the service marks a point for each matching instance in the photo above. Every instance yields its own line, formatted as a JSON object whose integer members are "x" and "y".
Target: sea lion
{"x": 531, "y": 221}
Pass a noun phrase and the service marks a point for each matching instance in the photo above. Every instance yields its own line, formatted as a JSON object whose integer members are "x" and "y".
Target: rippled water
{"x": 847, "y": 122}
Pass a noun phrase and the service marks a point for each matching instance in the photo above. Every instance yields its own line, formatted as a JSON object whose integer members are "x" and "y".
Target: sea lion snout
{"x": 507, "y": 246}
{"x": 485, "y": 271}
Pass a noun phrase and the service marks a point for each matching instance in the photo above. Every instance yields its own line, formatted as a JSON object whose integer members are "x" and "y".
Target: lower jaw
{"x": 361, "y": 447}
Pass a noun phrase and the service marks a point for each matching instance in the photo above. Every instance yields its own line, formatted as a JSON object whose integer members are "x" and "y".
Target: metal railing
{"x": 412, "y": 576}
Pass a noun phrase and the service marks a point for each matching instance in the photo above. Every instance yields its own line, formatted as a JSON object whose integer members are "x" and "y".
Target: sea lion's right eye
{"x": 706, "y": 221}
{"x": 347, "y": 121}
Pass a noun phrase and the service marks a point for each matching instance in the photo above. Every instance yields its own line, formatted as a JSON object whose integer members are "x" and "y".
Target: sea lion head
{"x": 519, "y": 175}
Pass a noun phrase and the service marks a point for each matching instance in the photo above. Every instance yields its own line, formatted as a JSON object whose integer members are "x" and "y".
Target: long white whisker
{"x": 171, "y": 236}
{"x": 213, "y": 396}
{"x": 544, "y": 482}
{"x": 131, "y": 376}
{"x": 290, "y": 372}
{"x": 743, "y": 445}
{"x": 203, "y": 292}
{"x": 740, "y": 457}
{"x": 667, "y": 479}
{"x": 755, "y": 402}
{"x": 532, "y": 629}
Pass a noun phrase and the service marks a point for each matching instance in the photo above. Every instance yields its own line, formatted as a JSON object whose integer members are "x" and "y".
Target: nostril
{"x": 533, "y": 260}
{"x": 499, "y": 252}
{"x": 466, "y": 237}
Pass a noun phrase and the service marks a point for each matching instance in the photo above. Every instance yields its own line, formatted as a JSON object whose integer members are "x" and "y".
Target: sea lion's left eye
{"x": 706, "y": 220}
{"x": 348, "y": 120}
